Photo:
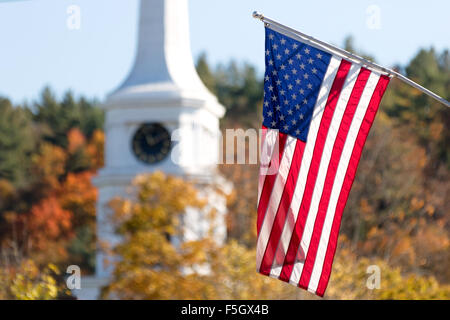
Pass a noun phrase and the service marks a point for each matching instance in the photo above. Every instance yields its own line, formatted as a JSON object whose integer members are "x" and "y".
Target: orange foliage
{"x": 75, "y": 139}
{"x": 95, "y": 148}
{"x": 48, "y": 221}
{"x": 79, "y": 195}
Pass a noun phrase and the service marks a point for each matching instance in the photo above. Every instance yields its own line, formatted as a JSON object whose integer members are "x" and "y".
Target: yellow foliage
{"x": 49, "y": 164}
{"x": 27, "y": 282}
{"x": 151, "y": 266}
{"x": 349, "y": 278}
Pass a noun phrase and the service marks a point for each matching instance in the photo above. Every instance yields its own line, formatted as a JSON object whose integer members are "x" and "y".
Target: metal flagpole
{"x": 345, "y": 54}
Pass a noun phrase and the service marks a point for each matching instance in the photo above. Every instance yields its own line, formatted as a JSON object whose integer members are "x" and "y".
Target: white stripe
{"x": 275, "y": 198}
{"x": 267, "y": 148}
{"x": 321, "y": 102}
{"x": 339, "y": 179}
{"x": 341, "y": 105}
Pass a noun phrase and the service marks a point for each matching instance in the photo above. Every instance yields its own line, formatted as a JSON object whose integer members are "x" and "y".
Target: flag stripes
{"x": 304, "y": 167}
{"x": 300, "y": 206}
{"x": 283, "y": 209}
{"x": 330, "y": 173}
{"x": 269, "y": 181}
{"x": 352, "y": 164}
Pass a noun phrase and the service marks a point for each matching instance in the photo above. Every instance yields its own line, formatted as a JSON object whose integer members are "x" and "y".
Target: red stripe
{"x": 331, "y": 174}
{"x": 269, "y": 181}
{"x": 332, "y": 100}
{"x": 262, "y": 169}
{"x": 283, "y": 209}
{"x": 348, "y": 181}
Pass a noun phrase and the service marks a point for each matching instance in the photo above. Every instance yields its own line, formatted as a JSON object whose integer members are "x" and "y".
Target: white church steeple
{"x": 163, "y": 65}
{"x": 161, "y": 118}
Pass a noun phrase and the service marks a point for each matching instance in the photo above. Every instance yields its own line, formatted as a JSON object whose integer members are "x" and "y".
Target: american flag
{"x": 318, "y": 110}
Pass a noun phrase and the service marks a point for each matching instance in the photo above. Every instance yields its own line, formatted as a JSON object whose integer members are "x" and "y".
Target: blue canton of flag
{"x": 293, "y": 77}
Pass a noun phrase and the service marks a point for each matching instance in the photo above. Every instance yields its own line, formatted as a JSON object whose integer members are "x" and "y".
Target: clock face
{"x": 151, "y": 143}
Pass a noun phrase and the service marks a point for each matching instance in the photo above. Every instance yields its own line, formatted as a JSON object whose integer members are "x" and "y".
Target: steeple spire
{"x": 163, "y": 66}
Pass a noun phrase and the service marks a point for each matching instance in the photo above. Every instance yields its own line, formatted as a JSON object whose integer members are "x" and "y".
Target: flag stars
{"x": 289, "y": 83}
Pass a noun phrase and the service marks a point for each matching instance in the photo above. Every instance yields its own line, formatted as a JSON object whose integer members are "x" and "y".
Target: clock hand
{"x": 150, "y": 140}
{"x": 160, "y": 138}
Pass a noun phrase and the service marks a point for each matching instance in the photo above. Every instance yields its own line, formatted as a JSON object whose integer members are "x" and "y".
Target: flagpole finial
{"x": 257, "y": 15}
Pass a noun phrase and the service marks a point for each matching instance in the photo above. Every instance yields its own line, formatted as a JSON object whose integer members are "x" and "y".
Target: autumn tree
{"x": 152, "y": 265}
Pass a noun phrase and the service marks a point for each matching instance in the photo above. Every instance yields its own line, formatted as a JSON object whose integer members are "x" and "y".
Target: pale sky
{"x": 37, "y": 47}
